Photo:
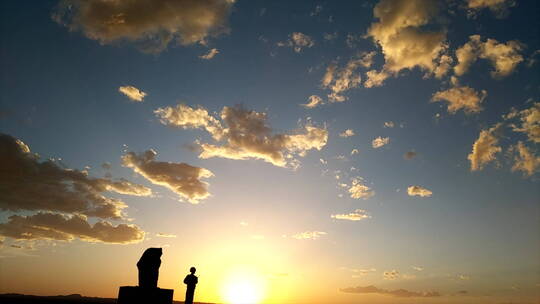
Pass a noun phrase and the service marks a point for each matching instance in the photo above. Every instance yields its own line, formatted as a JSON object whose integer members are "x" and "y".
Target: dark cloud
{"x": 152, "y": 25}
{"x": 183, "y": 179}
{"x": 401, "y": 293}
{"x": 409, "y": 155}
{"x": 54, "y": 226}
{"x": 26, "y": 183}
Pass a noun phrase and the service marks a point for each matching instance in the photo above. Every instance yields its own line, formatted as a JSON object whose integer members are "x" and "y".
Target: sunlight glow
{"x": 243, "y": 287}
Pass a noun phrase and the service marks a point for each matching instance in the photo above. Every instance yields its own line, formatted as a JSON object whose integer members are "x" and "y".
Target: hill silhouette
{"x": 14, "y": 298}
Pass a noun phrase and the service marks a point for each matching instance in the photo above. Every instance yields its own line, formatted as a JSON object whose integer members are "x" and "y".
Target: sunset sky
{"x": 381, "y": 151}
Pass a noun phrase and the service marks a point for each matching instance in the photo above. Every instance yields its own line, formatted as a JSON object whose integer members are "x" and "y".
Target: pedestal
{"x": 136, "y": 295}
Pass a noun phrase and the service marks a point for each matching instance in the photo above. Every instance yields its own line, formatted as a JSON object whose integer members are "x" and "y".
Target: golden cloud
{"x": 530, "y": 122}
{"x": 356, "y": 215}
{"x": 211, "y": 54}
{"x": 55, "y": 226}
{"x": 379, "y": 142}
{"x": 313, "y": 101}
{"x": 298, "y": 41}
{"x": 150, "y": 24}
{"x": 132, "y": 93}
{"x": 29, "y": 184}
{"x": 504, "y": 57}
{"x": 484, "y": 148}
{"x": 418, "y": 191}
{"x": 404, "y": 44}
{"x": 358, "y": 190}
{"x": 181, "y": 178}
{"x": 525, "y": 161}
{"x": 347, "y": 133}
{"x": 245, "y": 135}
{"x": 461, "y": 98}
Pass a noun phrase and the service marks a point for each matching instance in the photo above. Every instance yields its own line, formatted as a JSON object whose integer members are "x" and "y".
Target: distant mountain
{"x": 15, "y": 298}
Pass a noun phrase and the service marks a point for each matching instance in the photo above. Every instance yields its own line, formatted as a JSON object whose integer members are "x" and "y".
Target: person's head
{"x": 192, "y": 270}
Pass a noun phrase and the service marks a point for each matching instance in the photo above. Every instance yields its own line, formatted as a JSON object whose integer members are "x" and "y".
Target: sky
{"x": 378, "y": 151}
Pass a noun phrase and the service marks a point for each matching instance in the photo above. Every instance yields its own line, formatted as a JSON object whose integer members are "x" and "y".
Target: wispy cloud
{"x": 211, "y": 54}
{"x": 356, "y": 215}
{"x": 418, "y": 191}
{"x": 400, "y": 293}
{"x": 309, "y": 235}
{"x": 379, "y": 142}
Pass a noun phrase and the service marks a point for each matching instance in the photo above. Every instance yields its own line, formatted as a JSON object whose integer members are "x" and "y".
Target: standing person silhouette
{"x": 191, "y": 281}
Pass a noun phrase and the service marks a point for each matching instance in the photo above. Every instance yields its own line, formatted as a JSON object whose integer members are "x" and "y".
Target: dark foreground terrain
{"x": 13, "y": 298}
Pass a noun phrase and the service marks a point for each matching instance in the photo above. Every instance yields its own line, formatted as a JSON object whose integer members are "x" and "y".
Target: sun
{"x": 243, "y": 287}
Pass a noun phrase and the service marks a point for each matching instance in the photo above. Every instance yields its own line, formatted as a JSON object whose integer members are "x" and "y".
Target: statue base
{"x": 136, "y": 294}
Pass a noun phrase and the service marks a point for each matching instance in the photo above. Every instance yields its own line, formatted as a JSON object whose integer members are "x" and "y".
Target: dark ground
{"x": 13, "y": 298}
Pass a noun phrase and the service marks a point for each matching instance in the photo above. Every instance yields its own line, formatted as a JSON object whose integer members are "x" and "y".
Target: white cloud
{"x": 418, "y": 191}
{"x": 245, "y": 134}
{"x": 132, "y": 93}
{"x": 379, "y": 142}
{"x": 152, "y": 25}
{"x": 354, "y": 151}
{"x": 211, "y": 54}
{"x": 461, "y": 98}
{"x": 340, "y": 80}
{"x": 181, "y": 178}
{"x": 356, "y": 215}
{"x": 484, "y": 148}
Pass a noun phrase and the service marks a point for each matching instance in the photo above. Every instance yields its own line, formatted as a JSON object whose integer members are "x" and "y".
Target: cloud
{"x": 246, "y": 135}
{"x": 484, "y": 148}
{"x": 30, "y": 184}
{"x": 347, "y": 133}
{"x": 530, "y": 122}
{"x": 181, "y": 178}
{"x": 418, "y": 268}
{"x": 354, "y": 151}
{"x": 461, "y": 98}
{"x": 211, "y": 53}
{"x": 298, "y": 41}
{"x": 360, "y": 191}
{"x": 399, "y": 33}
{"x": 165, "y": 235}
{"x": 389, "y": 124}
{"x": 151, "y": 25}
{"x": 313, "y": 101}
{"x": 400, "y": 293}
{"x": 339, "y": 80}
{"x": 504, "y": 57}
{"x": 309, "y": 235}
{"x": 379, "y": 142}
{"x": 525, "y": 161}
{"x": 497, "y": 7}
{"x": 409, "y": 155}
{"x": 54, "y": 226}
{"x": 418, "y": 191}
{"x": 132, "y": 93}
{"x": 356, "y": 215}
{"x": 375, "y": 79}
{"x": 391, "y": 275}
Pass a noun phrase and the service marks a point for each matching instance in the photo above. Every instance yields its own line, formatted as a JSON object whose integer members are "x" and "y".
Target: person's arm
{"x": 186, "y": 280}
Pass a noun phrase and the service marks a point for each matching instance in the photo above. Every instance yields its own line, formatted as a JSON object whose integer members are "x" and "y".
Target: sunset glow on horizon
{"x": 294, "y": 152}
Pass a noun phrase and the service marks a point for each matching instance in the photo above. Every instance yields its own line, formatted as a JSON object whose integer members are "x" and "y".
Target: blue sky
{"x": 476, "y": 231}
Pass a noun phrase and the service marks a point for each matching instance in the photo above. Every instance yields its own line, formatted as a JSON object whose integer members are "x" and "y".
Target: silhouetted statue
{"x": 149, "y": 267}
{"x": 191, "y": 281}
